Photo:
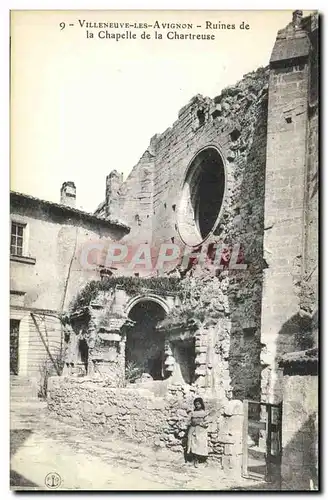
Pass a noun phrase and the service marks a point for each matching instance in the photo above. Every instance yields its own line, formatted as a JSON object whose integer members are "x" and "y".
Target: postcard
{"x": 164, "y": 250}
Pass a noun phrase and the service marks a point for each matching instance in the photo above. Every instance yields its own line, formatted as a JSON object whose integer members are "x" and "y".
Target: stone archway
{"x": 145, "y": 346}
{"x": 147, "y": 298}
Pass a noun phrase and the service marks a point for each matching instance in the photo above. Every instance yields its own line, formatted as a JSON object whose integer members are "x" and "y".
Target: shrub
{"x": 132, "y": 285}
{"x": 133, "y": 371}
{"x": 47, "y": 369}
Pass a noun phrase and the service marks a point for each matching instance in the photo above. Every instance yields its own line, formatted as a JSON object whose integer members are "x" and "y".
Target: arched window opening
{"x": 202, "y": 197}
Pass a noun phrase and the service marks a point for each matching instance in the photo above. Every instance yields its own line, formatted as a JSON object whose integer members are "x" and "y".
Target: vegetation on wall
{"x": 47, "y": 369}
{"x": 133, "y": 371}
{"x": 201, "y": 302}
{"x": 132, "y": 286}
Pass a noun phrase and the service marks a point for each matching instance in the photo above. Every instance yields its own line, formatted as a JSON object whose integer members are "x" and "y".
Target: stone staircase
{"x": 23, "y": 389}
{"x": 26, "y": 409}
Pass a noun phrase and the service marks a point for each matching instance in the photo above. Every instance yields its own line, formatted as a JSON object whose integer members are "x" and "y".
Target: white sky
{"x": 23, "y": 165}
{"x": 83, "y": 107}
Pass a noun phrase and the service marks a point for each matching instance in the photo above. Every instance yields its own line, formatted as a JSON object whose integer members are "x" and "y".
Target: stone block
{"x": 140, "y": 425}
{"x": 201, "y": 349}
{"x": 233, "y": 449}
{"x": 200, "y": 359}
{"x": 182, "y": 413}
{"x": 200, "y": 370}
{"x": 124, "y": 418}
{"x": 87, "y": 407}
{"x": 134, "y": 411}
{"x": 128, "y": 404}
{"x": 99, "y": 409}
{"x": 110, "y": 410}
{"x": 156, "y": 404}
{"x": 234, "y": 407}
{"x": 233, "y": 426}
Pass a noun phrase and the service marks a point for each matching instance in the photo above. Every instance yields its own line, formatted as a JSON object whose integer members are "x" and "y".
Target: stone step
{"x": 18, "y": 388}
{"x": 19, "y": 380}
{"x": 21, "y": 399}
{"x": 23, "y": 388}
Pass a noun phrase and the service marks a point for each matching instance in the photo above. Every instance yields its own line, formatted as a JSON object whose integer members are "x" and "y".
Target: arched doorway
{"x": 144, "y": 349}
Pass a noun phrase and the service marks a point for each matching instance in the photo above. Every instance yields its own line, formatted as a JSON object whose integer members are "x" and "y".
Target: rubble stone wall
{"x": 139, "y": 415}
{"x": 133, "y": 199}
{"x": 235, "y": 123}
{"x": 265, "y": 129}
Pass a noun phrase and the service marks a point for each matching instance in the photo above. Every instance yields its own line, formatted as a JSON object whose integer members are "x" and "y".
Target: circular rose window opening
{"x": 202, "y": 197}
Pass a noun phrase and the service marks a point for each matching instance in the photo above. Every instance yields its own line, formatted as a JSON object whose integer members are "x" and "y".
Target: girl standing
{"x": 197, "y": 434}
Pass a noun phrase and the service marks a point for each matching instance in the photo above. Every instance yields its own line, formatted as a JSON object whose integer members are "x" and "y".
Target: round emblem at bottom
{"x": 52, "y": 480}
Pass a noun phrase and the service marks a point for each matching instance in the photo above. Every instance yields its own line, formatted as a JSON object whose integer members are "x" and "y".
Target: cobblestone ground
{"x": 86, "y": 460}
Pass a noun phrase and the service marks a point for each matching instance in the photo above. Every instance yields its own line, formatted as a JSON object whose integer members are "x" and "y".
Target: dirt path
{"x": 44, "y": 450}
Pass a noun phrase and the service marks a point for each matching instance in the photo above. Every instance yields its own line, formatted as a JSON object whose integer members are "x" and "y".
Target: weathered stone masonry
{"x": 256, "y": 143}
{"x": 226, "y": 338}
{"x": 290, "y": 282}
{"x": 136, "y": 414}
{"x": 235, "y": 123}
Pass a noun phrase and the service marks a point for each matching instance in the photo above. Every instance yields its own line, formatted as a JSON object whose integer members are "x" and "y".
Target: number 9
{"x": 62, "y": 25}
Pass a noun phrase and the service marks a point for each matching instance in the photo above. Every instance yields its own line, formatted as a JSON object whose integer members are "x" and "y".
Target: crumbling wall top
{"x": 293, "y": 42}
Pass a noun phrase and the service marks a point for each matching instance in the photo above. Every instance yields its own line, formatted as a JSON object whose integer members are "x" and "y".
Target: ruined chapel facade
{"x": 239, "y": 171}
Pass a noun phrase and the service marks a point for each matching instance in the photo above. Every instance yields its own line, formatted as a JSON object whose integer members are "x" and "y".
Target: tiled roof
{"x": 15, "y": 196}
{"x": 303, "y": 361}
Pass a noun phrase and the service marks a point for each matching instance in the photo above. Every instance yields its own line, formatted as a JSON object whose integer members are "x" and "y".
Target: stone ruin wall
{"x": 234, "y": 360}
{"x": 153, "y": 412}
{"x": 235, "y": 122}
{"x": 104, "y": 327}
{"x": 137, "y": 414}
{"x": 310, "y": 290}
{"x": 263, "y": 210}
{"x": 133, "y": 199}
{"x": 290, "y": 298}
{"x": 270, "y": 149}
